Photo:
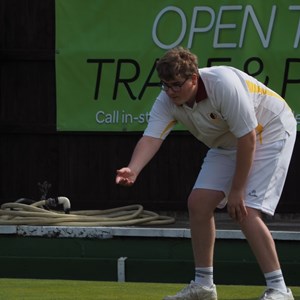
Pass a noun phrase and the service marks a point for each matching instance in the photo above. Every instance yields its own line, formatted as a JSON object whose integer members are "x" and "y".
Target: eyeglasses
{"x": 175, "y": 87}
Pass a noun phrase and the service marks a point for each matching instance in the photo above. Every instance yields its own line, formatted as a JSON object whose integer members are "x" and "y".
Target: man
{"x": 251, "y": 132}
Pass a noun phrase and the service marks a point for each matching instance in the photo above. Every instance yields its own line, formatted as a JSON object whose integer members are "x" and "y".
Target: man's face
{"x": 180, "y": 90}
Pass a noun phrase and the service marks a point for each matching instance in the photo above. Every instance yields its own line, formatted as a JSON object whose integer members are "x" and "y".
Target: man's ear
{"x": 195, "y": 78}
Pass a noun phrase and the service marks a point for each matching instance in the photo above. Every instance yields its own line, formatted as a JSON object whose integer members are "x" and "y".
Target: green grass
{"x": 27, "y": 289}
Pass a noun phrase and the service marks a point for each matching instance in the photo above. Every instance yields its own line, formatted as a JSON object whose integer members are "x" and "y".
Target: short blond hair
{"x": 177, "y": 63}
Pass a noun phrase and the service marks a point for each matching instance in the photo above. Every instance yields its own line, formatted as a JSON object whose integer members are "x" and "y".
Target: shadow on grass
{"x": 239, "y": 298}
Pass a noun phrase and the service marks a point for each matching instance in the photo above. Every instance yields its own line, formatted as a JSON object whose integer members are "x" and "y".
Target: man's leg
{"x": 264, "y": 249}
{"x": 260, "y": 241}
{"x": 201, "y": 205}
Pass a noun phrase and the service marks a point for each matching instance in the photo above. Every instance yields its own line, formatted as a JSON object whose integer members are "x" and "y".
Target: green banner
{"x": 106, "y": 53}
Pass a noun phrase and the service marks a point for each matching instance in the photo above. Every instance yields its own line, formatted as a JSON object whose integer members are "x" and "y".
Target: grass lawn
{"x": 30, "y": 289}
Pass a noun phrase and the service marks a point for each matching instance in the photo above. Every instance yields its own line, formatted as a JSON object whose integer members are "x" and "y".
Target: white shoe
{"x": 271, "y": 294}
{"x": 195, "y": 292}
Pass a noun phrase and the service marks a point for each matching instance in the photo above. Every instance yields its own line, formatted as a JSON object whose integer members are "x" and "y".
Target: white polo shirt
{"x": 236, "y": 103}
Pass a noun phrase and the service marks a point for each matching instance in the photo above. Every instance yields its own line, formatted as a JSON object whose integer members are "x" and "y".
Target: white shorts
{"x": 266, "y": 179}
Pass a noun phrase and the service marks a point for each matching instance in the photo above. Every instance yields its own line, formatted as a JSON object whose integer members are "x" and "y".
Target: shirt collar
{"x": 201, "y": 91}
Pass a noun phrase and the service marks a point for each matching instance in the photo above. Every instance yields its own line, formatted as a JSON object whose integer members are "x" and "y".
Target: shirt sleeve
{"x": 161, "y": 120}
{"x": 235, "y": 104}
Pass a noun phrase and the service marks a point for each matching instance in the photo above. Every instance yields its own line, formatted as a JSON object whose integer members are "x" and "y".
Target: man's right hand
{"x": 125, "y": 177}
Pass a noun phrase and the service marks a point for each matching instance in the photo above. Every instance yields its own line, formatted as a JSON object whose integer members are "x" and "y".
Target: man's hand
{"x": 125, "y": 177}
{"x": 236, "y": 207}
{"x": 143, "y": 152}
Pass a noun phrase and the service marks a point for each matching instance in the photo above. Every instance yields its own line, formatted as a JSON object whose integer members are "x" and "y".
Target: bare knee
{"x": 253, "y": 216}
{"x": 253, "y": 222}
{"x": 196, "y": 206}
{"x": 202, "y": 203}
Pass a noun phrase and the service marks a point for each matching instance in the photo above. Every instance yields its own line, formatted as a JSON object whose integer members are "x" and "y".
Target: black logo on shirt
{"x": 253, "y": 193}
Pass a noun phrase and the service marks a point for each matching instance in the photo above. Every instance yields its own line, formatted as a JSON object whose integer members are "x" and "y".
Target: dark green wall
{"x": 148, "y": 259}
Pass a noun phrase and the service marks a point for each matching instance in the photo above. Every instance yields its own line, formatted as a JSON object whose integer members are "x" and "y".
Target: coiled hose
{"x": 18, "y": 213}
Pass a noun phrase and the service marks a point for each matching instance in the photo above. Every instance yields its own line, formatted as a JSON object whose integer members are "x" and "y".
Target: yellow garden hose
{"x": 15, "y": 213}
